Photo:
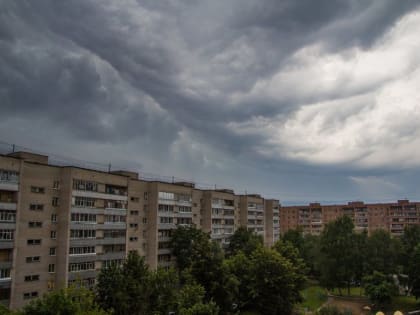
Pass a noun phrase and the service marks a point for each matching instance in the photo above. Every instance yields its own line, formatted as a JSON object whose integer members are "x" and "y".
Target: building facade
{"x": 392, "y": 217}
{"x": 61, "y": 224}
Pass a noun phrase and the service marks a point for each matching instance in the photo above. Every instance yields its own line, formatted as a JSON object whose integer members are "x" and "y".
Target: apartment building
{"x": 59, "y": 224}
{"x": 312, "y": 218}
{"x": 220, "y": 214}
{"x": 251, "y": 208}
{"x": 272, "y": 223}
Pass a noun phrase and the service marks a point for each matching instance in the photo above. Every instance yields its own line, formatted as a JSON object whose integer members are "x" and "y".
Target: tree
{"x": 269, "y": 282}
{"x": 382, "y": 253}
{"x": 413, "y": 273}
{"x": 379, "y": 288}
{"x": 311, "y": 254}
{"x": 163, "y": 288}
{"x": 204, "y": 264}
{"x": 186, "y": 244}
{"x": 191, "y": 301}
{"x": 71, "y": 301}
{"x": 126, "y": 289}
{"x": 244, "y": 240}
{"x": 338, "y": 249}
{"x": 288, "y": 251}
{"x": 296, "y": 238}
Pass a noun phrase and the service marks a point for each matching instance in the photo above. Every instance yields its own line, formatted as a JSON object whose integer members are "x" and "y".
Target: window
{"x": 7, "y": 216}
{"x": 56, "y": 184}
{"x": 113, "y": 218}
{"x": 9, "y": 176}
{"x": 32, "y": 259}
{"x": 135, "y": 199}
{"x": 34, "y": 224}
{"x": 84, "y": 202}
{"x": 165, "y": 208}
{"x": 114, "y": 233}
{"x": 185, "y": 209}
{"x": 184, "y": 221}
{"x": 4, "y": 273}
{"x": 114, "y": 248}
{"x": 53, "y": 218}
{"x": 36, "y": 207}
{"x": 144, "y": 220}
{"x": 134, "y": 212}
{"x": 133, "y": 239}
{"x": 54, "y": 202}
{"x": 166, "y": 220}
{"x": 53, "y": 251}
{"x": 51, "y": 268}
{"x": 74, "y": 234}
{"x": 31, "y": 278}
{"x": 134, "y": 225}
{"x": 50, "y": 285}
{"x": 30, "y": 295}
{"x": 166, "y": 195}
{"x": 53, "y": 234}
{"x": 116, "y": 204}
{"x": 82, "y": 250}
{"x": 83, "y": 217}
{"x": 145, "y": 196}
{"x": 37, "y": 190}
{"x": 79, "y": 184}
{"x": 34, "y": 242}
{"x": 112, "y": 262}
{"x": 6, "y": 235}
{"x": 74, "y": 267}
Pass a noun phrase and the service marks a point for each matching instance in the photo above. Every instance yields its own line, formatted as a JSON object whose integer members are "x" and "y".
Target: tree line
{"x": 209, "y": 280}
{"x": 341, "y": 258}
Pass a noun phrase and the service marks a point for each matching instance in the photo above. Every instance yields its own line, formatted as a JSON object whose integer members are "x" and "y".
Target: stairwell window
{"x": 37, "y": 190}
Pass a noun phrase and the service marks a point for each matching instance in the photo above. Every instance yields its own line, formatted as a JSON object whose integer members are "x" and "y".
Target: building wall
{"x": 392, "y": 217}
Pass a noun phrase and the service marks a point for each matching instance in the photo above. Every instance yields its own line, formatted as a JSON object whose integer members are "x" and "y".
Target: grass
{"x": 313, "y": 297}
{"x": 354, "y": 291}
{"x": 404, "y": 303}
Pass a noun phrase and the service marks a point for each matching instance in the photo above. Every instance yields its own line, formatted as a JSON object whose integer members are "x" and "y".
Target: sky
{"x": 301, "y": 101}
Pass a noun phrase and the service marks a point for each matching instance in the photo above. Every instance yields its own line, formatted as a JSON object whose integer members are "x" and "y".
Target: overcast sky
{"x": 297, "y": 100}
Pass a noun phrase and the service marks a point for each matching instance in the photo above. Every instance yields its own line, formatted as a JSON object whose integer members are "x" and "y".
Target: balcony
{"x": 98, "y": 195}
{"x": 79, "y": 225}
{"x": 8, "y": 206}
{"x": 83, "y": 242}
{"x": 163, "y": 251}
{"x": 166, "y": 226}
{"x": 81, "y": 274}
{"x": 76, "y": 209}
{"x": 9, "y": 185}
{"x": 183, "y": 203}
{"x": 111, "y": 241}
{"x": 111, "y": 255}
{"x": 113, "y": 226}
{"x": 81, "y": 258}
{"x": 5, "y": 283}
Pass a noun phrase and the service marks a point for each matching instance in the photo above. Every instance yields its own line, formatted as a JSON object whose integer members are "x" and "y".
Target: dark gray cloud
{"x": 214, "y": 88}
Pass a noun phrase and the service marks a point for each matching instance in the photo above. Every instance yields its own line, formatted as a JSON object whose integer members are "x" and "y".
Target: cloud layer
{"x": 244, "y": 93}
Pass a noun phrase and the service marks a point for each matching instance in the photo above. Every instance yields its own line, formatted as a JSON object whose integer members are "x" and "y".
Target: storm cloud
{"x": 297, "y": 100}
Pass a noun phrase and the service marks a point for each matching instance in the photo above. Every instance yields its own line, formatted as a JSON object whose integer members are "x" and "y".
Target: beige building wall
{"x": 272, "y": 226}
{"x": 252, "y": 213}
{"x": 220, "y": 214}
{"x": 171, "y": 205}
